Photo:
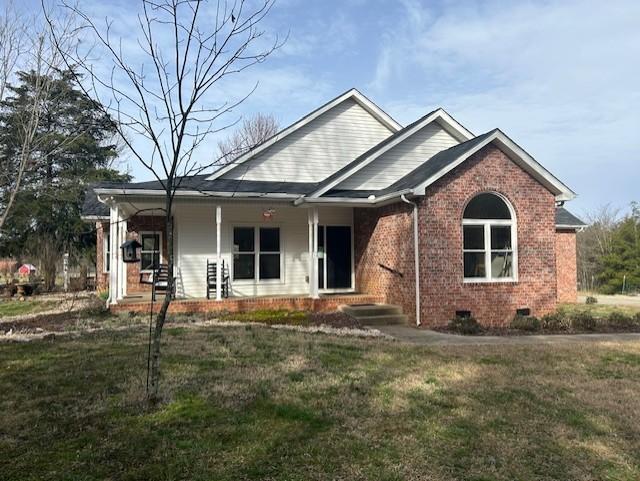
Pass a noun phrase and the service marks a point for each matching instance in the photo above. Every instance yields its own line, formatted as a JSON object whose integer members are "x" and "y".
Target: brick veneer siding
{"x": 384, "y": 259}
{"x": 247, "y": 304}
{"x": 136, "y": 225}
{"x": 441, "y": 262}
{"x": 566, "y": 265}
{"x": 102, "y": 277}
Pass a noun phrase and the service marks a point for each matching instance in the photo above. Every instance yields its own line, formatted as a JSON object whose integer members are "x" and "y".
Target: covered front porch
{"x": 268, "y": 252}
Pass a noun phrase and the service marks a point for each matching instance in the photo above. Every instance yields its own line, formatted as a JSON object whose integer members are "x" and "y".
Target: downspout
{"x": 416, "y": 254}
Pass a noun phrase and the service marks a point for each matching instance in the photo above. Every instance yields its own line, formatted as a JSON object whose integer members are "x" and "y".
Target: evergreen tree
{"x": 73, "y": 147}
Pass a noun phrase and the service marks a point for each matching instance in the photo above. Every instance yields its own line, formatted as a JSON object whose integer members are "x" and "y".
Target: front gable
{"x": 317, "y": 145}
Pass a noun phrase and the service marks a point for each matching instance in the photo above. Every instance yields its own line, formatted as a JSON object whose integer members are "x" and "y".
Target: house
{"x": 347, "y": 206}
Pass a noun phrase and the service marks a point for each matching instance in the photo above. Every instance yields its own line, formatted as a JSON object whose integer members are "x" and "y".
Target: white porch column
{"x": 218, "y": 253}
{"x": 312, "y": 279}
{"x": 315, "y": 294}
{"x": 113, "y": 254}
{"x": 122, "y": 268}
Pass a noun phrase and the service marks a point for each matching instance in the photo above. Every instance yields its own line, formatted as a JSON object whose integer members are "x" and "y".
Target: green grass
{"x": 268, "y": 316}
{"x": 16, "y": 307}
{"x": 253, "y": 403}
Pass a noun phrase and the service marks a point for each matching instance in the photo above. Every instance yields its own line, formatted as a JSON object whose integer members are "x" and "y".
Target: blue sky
{"x": 562, "y": 78}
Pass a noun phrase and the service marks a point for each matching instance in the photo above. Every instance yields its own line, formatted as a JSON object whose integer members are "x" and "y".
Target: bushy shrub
{"x": 582, "y": 321}
{"x": 465, "y": 325}
{"x": 591, "y": 300}
{"x": 525, "y": 323}
{"x": 555, "y": 321}
{"x": 620, "y": 319}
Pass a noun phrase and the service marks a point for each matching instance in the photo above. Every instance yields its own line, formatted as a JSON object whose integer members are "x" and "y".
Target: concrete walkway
{"x": 433, "y": 338}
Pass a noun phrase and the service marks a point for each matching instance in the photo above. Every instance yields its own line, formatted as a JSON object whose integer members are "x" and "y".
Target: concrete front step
{"x": 375, "y": 314}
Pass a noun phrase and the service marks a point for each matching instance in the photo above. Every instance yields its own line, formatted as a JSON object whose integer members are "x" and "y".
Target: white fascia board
{"x": 197, "y": 193}
{"x": 94, "y": 217}
{"x": 519, "y": 156}
{"x": 440, "y": 116}
{"x": 367, "y": 104}
{"x": 570, "y": 227}
{"x": 368, "y": 202}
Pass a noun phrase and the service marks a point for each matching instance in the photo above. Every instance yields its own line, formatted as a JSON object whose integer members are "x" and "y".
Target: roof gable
{"x": 439, "y": 115}
{"x": 385, "y": 127}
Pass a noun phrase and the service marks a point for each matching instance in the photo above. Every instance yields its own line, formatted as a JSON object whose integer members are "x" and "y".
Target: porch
{"x": 324, "y": 303}
{"x": 269, "y": 254}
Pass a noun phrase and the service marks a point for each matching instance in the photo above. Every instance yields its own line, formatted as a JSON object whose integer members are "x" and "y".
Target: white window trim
{"x": 106, "y": 251}
{"x": 486, "y": 224}
{"x": 150, "y": 232}
{"x": 256, "y": 255}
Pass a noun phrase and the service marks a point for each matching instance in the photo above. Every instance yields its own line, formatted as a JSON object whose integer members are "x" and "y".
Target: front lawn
{"x": 254, "y": 403}
{"x": 10, "y": 307}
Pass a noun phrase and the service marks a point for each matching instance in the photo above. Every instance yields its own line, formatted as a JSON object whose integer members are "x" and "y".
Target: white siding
{"x": 196, "y": 242}
{"x": 401, "y": 159}
{"x": 318, "y": 149}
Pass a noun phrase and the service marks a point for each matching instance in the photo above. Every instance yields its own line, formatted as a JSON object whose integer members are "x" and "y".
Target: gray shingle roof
{"x": 92, "y": 207}
{"x": 564, "y": 218}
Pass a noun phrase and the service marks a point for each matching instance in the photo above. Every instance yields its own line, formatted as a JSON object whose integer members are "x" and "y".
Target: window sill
{"x": 490, "y": 281}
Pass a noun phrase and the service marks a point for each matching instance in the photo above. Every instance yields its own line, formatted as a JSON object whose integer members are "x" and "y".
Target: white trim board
{"x": 517, "y": 155}
{"x": 354, "y": 94}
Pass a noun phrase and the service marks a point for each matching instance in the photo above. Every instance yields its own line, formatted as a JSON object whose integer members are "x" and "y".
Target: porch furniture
{"x": 158, "y": 279}
{"x": 212, "y": 279}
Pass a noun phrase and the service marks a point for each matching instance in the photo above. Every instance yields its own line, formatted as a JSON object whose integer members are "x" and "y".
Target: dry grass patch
{"x": 253, "y": 403}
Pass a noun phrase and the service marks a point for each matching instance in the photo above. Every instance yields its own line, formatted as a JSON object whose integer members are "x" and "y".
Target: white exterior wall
{"x": 318, "y": 149}
{"x": 401, "y": 159}
{"x": 196, "y": 242}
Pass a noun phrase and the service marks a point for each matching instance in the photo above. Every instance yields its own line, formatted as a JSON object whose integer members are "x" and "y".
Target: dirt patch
{"x": 333, "y": 319}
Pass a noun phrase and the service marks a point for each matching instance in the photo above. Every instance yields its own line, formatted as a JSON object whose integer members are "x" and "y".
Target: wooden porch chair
{"x": 212, "y": 274}
{"x": 159, "y": 280}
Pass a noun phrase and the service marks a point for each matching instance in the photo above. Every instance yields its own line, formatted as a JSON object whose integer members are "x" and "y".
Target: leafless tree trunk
{"x": 595, "y": 242}
{"x": 165, "y": 103}
{"x": 252, "y": 132}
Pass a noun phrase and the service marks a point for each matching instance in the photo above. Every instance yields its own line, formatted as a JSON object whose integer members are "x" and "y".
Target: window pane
{"x": 150, "y": 242}
{"x": 269, "y": 266}
{"x": 269, "y": 239}
{"x": 501, "y": 264}
{"x": 500, "y": 237}
{"x": 473, "y": 236}
{"x": 487, "y": 206}
{"x": 146, "y": 261}
{"x": 243, "y": 239}
{"x": 474, "y": 264}
{"x": 244, "y": 266}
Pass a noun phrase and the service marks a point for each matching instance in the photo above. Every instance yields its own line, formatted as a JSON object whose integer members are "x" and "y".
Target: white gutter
{"x": 371, "y": 200}
{"x": 196, "y": 193}
{"x": 416, "y": 255}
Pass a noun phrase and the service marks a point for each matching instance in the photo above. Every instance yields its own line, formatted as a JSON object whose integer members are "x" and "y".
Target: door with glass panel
{"x": 334, "y": 257}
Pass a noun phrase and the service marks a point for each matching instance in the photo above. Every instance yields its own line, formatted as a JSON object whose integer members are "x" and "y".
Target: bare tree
{"x": 167, "y": 92}
{"x": 26, "y": 45}
{"x": 595, "y": 242}
{"x": 252, "y": 131}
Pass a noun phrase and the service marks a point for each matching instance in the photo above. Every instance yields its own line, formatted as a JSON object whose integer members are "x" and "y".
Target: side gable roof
{"x": 366, "y": 158}
{"x": 353, "y": 94}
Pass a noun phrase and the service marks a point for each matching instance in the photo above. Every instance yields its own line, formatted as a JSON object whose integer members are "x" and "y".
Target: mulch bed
{"x": 57, "y": 322}
{"x": 333, "y": 319}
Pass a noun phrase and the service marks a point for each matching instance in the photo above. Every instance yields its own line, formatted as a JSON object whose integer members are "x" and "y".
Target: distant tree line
{"x": 609, "y": 251}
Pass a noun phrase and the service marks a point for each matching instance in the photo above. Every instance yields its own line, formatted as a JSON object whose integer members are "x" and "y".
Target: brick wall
{"x": 443, "y": 290}
{"x": 566, "y": 266}
{"x": 135, "y": 225}
{"x": 384, "y": 254}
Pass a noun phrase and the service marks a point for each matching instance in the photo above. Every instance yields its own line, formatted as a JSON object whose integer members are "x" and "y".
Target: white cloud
{"x": 560, "y": 77}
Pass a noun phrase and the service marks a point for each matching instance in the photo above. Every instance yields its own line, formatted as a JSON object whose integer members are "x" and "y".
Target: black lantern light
{"x": 130, "y": 251}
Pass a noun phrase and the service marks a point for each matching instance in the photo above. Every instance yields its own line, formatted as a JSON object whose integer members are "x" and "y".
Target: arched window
{"x": 489, "y": 239}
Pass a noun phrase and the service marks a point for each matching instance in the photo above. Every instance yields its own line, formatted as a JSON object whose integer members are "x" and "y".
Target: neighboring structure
{"x": 427, "y": 216}
{"x": 27, "y": 269}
